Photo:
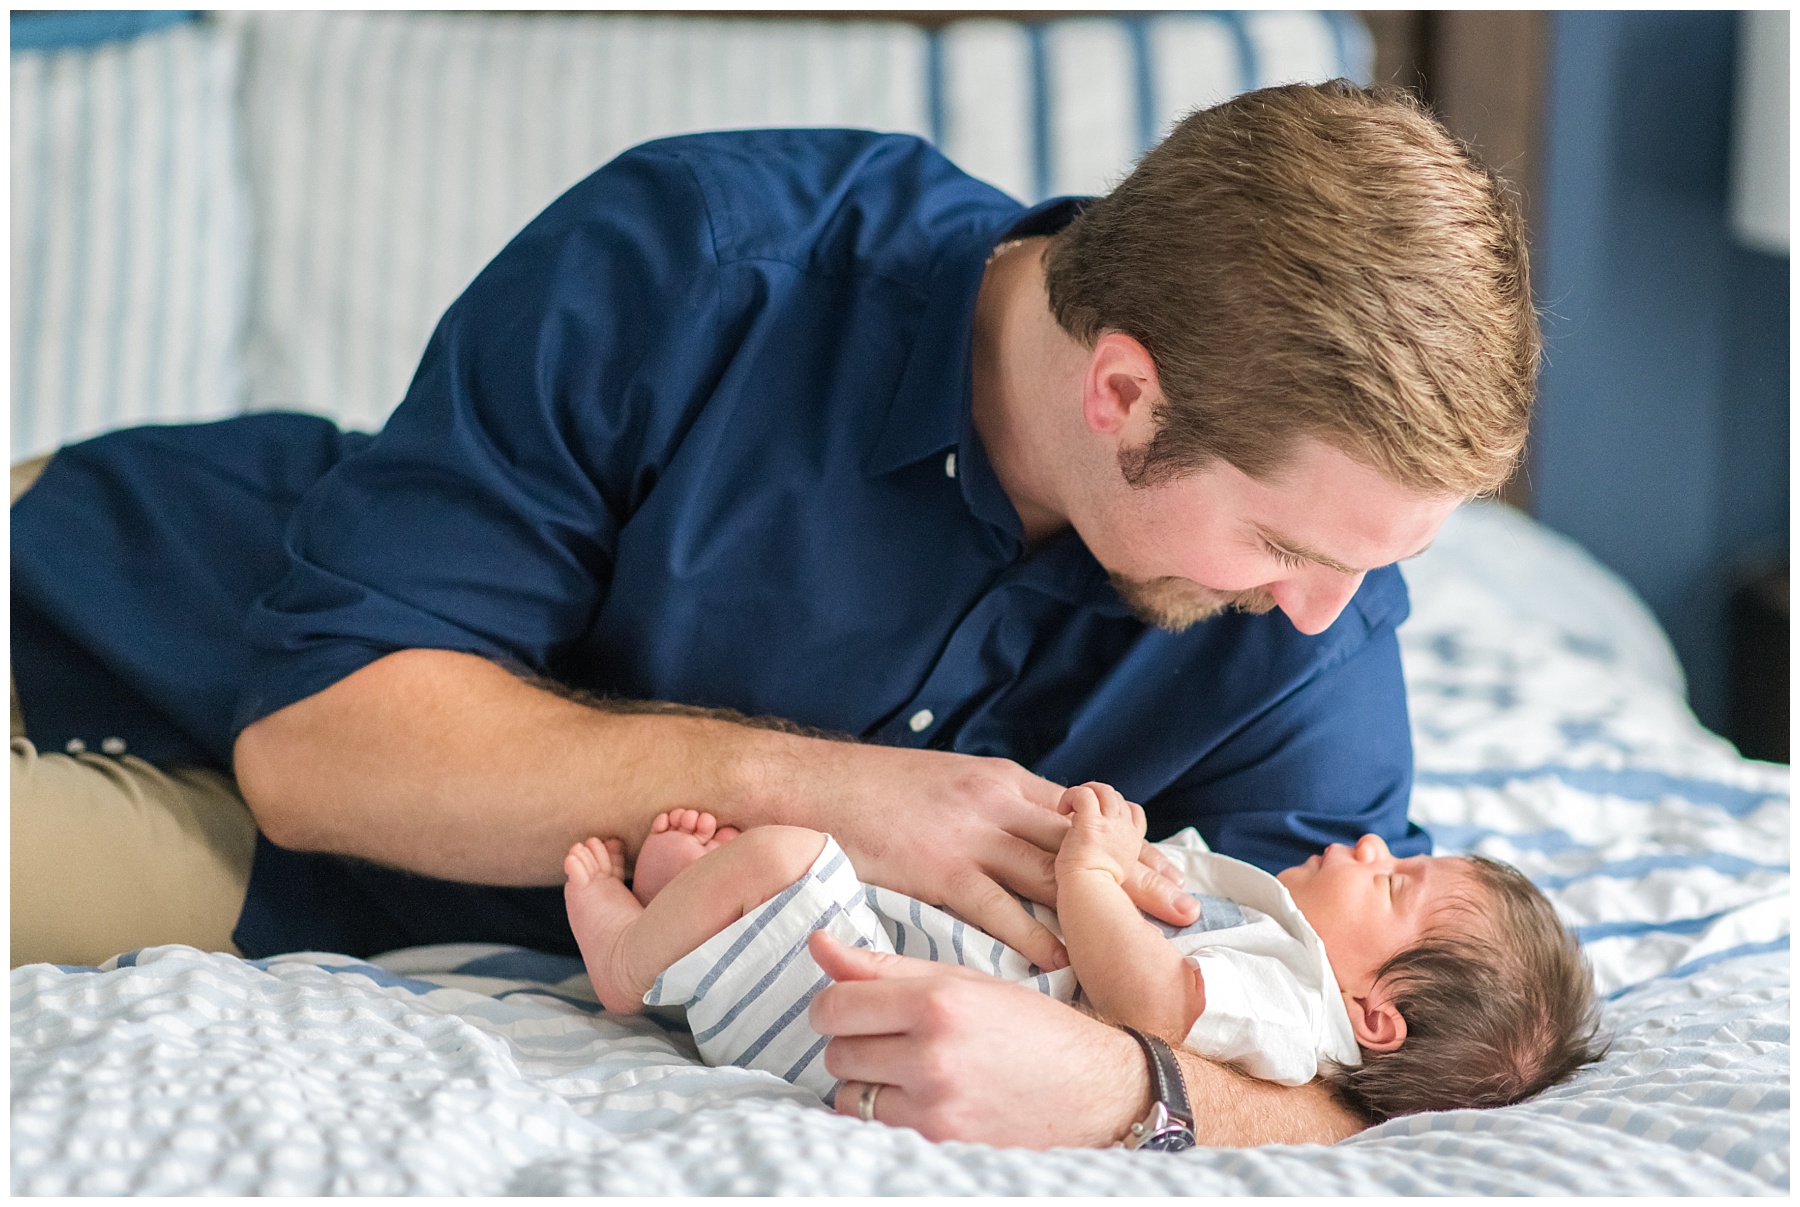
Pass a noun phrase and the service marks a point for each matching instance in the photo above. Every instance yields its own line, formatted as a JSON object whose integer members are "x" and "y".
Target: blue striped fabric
{"x": 393, "y": 154}
{"x": 1043, "y": 152}
{"x": 1688, "y": 969}
{"x": 390, "y": 155}
{"x": 1629, "y": 783}
{"x": 1659, "y": 846}
{"x": 130, "y": 233}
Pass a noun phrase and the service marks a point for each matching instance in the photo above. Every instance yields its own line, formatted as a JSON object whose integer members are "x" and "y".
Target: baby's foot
{"x": 677, "y": 838}
{"x": 601, "y": 909}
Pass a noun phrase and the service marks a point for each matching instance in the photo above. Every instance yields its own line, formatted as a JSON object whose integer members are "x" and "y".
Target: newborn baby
{"x": 1410, "y": 984}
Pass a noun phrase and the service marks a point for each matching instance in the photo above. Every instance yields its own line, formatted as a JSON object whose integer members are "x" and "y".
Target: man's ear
{"x": 1120, "y": 390}
{"x": 1376, "y": 1020}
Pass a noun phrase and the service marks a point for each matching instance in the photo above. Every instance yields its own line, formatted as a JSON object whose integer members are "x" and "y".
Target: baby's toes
{"x": 601, "y": 852}
{"x": 725, "y": 834}
{"x": 704, "y": 825}
{"x": 615, "y": 853}
{"x": 660, "y": 824}
{"x": 579, "y": 865}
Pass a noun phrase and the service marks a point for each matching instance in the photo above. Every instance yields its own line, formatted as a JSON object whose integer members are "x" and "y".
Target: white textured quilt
{"x": 1550, "y": 733}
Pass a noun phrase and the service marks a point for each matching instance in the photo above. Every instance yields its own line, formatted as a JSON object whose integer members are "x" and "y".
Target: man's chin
{"x": 1174, "y": 604}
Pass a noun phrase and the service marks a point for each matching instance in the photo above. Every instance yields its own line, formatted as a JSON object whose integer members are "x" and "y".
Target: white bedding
{"x": 1550, "y": 732}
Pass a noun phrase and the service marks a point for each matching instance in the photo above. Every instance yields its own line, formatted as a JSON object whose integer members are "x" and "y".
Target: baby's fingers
{"x": 1079, "y": 801}
{"x": 1108, "y": 798}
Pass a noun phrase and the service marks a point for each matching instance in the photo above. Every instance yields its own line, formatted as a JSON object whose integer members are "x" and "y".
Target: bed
{"x": 1550, "y": 731}
{"x": 1547, "y": 706}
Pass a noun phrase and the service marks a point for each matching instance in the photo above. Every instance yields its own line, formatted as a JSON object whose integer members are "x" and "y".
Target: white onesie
{"x": 1272, "y": 1004}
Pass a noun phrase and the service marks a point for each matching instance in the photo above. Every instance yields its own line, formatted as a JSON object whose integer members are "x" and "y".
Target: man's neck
{"x": 1022, "y": 372}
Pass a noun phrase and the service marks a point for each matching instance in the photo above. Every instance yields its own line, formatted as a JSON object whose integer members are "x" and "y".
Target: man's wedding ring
{"x": 865, "y": 1106}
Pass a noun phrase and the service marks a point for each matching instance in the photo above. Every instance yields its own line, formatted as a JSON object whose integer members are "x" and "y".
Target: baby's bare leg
{"x": 626, "y": 946}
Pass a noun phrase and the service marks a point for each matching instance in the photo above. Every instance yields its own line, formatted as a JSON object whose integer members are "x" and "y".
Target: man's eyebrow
{"x": 1300, "y": 550}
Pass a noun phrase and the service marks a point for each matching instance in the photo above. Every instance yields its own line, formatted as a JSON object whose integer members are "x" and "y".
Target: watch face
{"x": 1170, "y": 1140}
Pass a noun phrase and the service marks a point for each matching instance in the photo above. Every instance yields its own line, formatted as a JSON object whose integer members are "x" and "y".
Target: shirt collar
{"x": 930, "y": 413}
{"x": 1063, "y": 569}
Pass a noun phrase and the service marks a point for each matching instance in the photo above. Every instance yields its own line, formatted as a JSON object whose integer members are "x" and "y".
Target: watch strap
{"x": 1170, "y": 1124}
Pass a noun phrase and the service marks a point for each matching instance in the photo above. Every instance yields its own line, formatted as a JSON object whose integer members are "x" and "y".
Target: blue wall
{"x": 1661, "y": 443}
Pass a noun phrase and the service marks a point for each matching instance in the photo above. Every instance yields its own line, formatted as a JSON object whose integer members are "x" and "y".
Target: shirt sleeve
{"x": 485, "y": 516}
{"x": 1328, "y": 762}
{"x": 1258, "y": 1016}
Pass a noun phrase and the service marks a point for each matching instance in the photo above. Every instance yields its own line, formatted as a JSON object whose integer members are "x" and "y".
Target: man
{"x": 808, "y": 425}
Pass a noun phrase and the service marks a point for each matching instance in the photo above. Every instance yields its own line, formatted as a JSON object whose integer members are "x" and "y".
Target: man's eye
{"x": 1291, "y": 561}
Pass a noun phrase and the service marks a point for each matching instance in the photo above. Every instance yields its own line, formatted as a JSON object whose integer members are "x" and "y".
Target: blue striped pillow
{"x": 130, "y": 224}
{"x": 392, "y": 154}
{"x": 1048, "y": 108}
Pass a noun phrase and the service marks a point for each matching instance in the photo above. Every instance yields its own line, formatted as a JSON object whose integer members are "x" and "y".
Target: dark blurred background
{"x": 1643, "y": 148}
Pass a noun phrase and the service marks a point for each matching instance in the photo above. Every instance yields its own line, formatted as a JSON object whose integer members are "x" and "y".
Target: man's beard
{"x": 1175, "y": 603}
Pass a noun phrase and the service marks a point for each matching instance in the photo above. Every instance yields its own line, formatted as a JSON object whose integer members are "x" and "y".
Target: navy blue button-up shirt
{"x": 700, "y": 433}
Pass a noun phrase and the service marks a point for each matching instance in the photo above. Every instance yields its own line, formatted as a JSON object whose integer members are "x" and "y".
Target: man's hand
{"x": 964, "y": 1056}
{"x": 952, "y": 829}
{"x": 962, "y": 832}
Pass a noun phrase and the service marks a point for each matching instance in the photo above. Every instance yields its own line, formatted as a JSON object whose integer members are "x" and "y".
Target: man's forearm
{"x": 1231, "y": 1109}
{"x": 446, "y": 764}
{"x": 1235, "y": 1110}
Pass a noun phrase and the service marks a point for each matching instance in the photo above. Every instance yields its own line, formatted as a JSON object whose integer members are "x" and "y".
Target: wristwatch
{"x": 1169, "y": 1127}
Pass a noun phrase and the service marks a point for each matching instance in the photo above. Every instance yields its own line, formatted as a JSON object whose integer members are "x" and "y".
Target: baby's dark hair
{"x": 1492, "y": 1017}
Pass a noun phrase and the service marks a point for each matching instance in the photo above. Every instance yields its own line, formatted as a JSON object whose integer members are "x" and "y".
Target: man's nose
{"x": 1312, "y": 601}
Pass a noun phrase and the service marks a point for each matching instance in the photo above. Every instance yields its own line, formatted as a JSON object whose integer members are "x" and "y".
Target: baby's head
{"x": 1463, "y": 987}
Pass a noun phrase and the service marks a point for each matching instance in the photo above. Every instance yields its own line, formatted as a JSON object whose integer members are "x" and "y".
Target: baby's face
{"x": 1368, "y": 906}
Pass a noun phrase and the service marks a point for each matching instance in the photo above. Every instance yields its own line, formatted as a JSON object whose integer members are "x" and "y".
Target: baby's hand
{"x": 1107, "y": 834}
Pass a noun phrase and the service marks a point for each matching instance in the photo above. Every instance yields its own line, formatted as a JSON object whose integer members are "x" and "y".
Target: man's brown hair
{"x": 1314, "y": 260}
{"x": 1493, "y": 1016}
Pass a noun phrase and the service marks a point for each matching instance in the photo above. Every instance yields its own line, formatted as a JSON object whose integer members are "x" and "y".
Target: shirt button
{"x": 113, "y": 745}
{"x": 949, "y": 469}
{"x": 921, "y": 721}
{"x": 75, "y": 746}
